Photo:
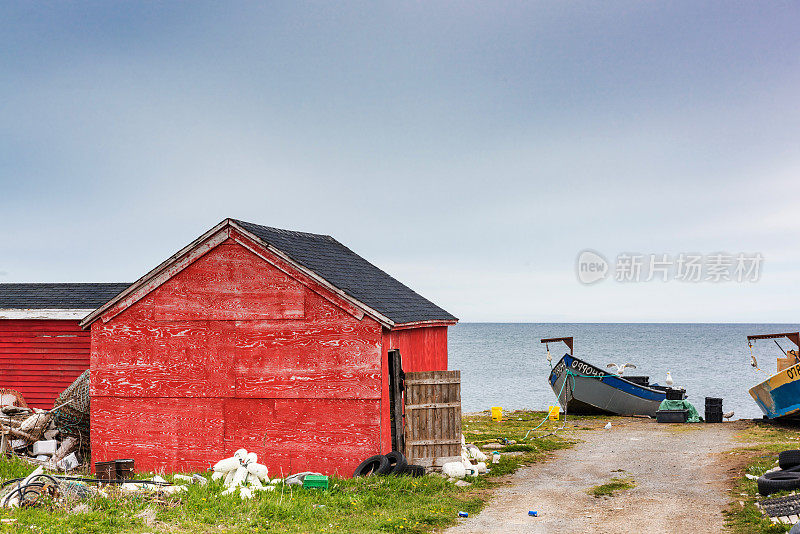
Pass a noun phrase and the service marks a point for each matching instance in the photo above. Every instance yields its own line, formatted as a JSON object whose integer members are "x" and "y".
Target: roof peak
{"x": 87, "y": 284}
{"x": 370, "y": 288}
{"x": 283, "y": 230}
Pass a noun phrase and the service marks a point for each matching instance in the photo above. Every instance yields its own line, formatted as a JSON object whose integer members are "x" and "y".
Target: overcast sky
{"x": 471, "y": 149}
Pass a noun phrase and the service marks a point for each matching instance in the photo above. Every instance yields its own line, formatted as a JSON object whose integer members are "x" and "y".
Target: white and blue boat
{"x": 585, "y": 389}
{"x": 779, "y": 395}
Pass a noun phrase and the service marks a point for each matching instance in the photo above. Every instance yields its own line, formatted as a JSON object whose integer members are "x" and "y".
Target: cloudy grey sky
{"x": 471, "y": 149}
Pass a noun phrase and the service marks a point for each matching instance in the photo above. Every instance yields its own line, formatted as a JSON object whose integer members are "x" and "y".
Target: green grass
{"x": 762, "y": 443}
{"x": 481, "y": 430}
{"x": 374, "y": 504}
{"x": 13, "y": 468}
{"x": 608, "y": 489}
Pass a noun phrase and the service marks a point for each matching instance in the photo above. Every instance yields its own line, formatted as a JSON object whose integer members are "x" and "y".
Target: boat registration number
{"x": 580, "y": 368}
{"x": 793, "y": 372}
{"x": 586, "y": 369}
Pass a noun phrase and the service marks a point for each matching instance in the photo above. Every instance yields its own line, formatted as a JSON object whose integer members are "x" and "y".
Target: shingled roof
{"x": 57, "y": 296}
{"x": 351, "y": 273}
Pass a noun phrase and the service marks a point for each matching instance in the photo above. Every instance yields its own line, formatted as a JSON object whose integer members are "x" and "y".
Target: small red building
{"x": 259, "y": 338}
{"x": 42, "y": 347}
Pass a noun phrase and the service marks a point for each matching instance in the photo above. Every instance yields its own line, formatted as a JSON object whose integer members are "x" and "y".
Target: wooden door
{"x": 433, "y": 417}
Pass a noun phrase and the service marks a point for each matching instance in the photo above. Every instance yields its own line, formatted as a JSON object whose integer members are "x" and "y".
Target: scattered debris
{"x": 473, "y": 462}
{"x": 298, "y": 479}
{"x": 148, "y": 516}
{"x": 243, "y": 474}
{"x": 315, "y": 481}
{"x": 12, "y": 397}
{"x": 66, "y": 490}
{"x": 781, "y": 509}
{"x": 56, "y": 439}
{"x": 394, "y": 463}
{"x": 454, "y": 470}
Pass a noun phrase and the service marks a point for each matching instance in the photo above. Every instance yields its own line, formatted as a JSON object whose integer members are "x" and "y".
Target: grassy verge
{"x": 375, "y": 504}
{"x": 608, "y": 489}
{"x": 762, "y": 443}
{"x": 510, "y": 433}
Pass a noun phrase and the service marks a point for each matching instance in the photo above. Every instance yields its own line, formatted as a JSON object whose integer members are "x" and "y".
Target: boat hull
{"x": 591, "y": 390}
{"x": 779, "y": 395}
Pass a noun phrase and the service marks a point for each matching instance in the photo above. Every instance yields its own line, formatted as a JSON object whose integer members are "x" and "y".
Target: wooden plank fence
{"x": 433, "y": 417}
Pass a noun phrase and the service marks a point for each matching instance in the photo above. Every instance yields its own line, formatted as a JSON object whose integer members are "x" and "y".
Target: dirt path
{"x": 680, "y": 473}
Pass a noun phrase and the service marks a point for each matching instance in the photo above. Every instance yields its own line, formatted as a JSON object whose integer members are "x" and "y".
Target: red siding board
{"x": 421, "y": 349}
{"x": 170, "y": 434}
{"x": 40, "y": 358}
{"x": 231, "y": 352}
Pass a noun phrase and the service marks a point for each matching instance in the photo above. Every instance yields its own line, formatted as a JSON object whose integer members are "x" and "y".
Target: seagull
{"x": 669, "y": 381}
{"x": 608, "y": 426}
{"x": 621, "y": 368}
{"x": 727, "y": 415}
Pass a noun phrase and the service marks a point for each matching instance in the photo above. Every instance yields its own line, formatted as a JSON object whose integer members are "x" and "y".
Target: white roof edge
{"x": 45, "y": 313}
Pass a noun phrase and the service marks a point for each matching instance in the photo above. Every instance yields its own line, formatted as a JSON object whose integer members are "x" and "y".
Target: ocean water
{"x": 504, "y": 364}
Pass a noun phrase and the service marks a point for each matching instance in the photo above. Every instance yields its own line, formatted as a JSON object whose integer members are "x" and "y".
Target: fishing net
{"x": 12, "y": 397}
{"x": 71, "y": 412}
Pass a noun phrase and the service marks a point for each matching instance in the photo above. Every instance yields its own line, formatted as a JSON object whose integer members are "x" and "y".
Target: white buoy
{"x": 258, "y": 470}
{"x": 239, "y": 476}
{"x": 669, "y": 381}
{"x": 228, "y": 464}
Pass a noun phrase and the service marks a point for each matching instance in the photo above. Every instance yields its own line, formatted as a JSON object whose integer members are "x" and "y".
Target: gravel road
{"x": 680, "y": 471}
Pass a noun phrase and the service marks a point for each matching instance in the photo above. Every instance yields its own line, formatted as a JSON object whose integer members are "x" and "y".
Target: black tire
{"x": 397, "y": 462}
{"x": 788, "y": 459}
{"x": 414, "y": 470}
{"x": 782, "y": 474}
{"x": 374, "y": 465}
{"x": 778, "y": 481}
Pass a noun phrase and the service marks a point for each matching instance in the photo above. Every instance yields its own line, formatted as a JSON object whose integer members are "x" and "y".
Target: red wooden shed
{"x": 259, "y": 338}
{"x": 42, "y": 347}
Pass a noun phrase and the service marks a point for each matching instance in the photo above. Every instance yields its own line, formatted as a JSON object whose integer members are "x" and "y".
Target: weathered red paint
{"x": 421, "y": 349}
{"x": 233, "y": 352}
{"x": 40, "y": 358}
{"x": 238, "y": 348}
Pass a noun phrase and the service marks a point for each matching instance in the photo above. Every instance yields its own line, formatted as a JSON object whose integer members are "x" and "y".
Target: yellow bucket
{"x": 497, "y": 413}
{"x": 553, "y": 412}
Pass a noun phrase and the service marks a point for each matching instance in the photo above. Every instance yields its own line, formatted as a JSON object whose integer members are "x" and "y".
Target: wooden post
{"x": 396, "y": 400}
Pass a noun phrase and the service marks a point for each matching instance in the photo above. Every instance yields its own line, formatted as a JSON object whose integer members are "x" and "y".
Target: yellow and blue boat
{"x": 779, "y": 395}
